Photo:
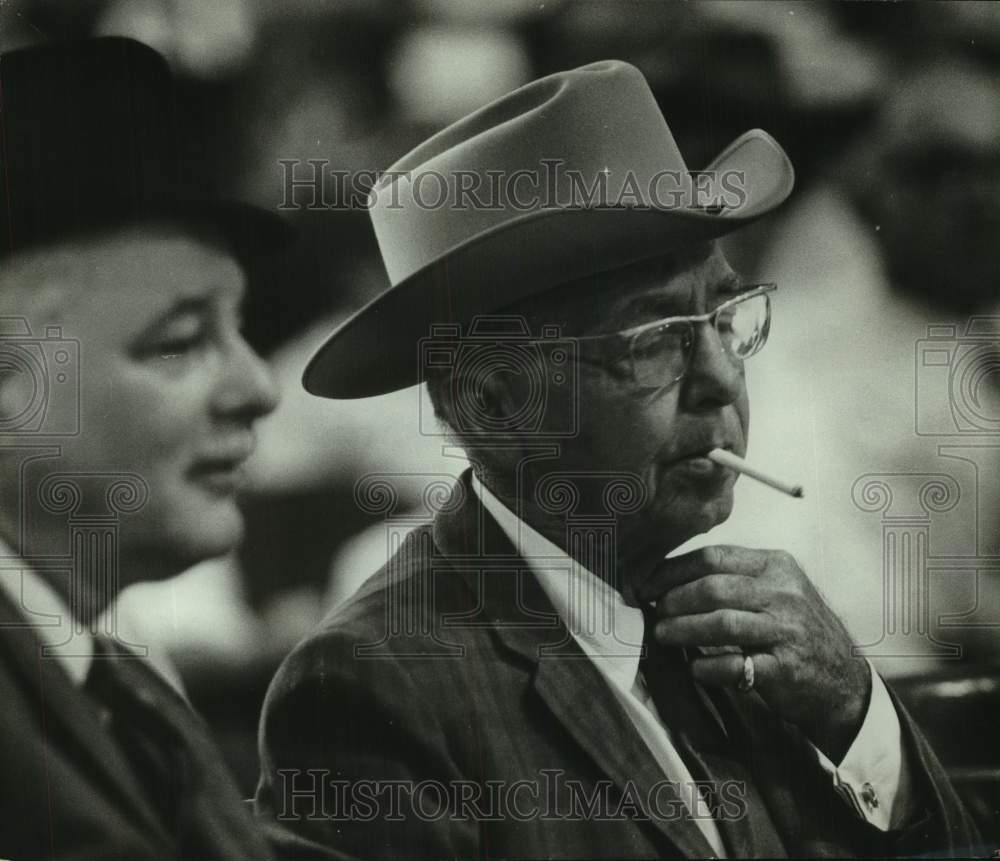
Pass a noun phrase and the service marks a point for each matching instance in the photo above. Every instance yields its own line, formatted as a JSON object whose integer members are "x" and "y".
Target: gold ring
{"x": 747, "y": 679}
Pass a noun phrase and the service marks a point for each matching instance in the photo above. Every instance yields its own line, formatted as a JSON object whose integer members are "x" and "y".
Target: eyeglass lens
{"x": 660, "y": 355}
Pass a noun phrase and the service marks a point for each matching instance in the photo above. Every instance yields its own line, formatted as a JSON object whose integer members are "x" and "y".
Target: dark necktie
{"x": 137, "y": 722}
{"x": 173, "y": 760}
{"x": 715, "y": 762}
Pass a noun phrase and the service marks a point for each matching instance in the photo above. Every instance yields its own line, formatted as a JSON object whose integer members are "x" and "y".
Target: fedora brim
{"x": 249, "y": 230}
{"x": 377, "y": 350}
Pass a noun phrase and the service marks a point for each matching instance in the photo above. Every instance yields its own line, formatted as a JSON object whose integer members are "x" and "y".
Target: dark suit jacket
{"x": 451, "y": 667}
{"x": 66, "y": 789}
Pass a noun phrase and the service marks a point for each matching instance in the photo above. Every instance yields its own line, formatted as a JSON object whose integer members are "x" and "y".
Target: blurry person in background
{"x": 894, "y": 361}
{"x": 928, "y": 176}
{"x": 888, "y": 335}
{"x": 127, "y": 400}
{"x": 529, "y": 676}
{"x": 893, "y": 249}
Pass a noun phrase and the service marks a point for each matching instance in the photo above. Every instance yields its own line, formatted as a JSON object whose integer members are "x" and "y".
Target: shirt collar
{"x": 64, "y": 639}
{"x": 607, "y": 629}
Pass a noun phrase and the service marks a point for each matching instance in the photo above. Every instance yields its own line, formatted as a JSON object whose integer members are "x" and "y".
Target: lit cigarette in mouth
{"x": 727, "y": 458}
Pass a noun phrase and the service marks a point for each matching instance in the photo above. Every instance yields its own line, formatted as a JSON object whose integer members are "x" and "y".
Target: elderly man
{"x": 529, "y": 676}
{"x": 127, "y": 397}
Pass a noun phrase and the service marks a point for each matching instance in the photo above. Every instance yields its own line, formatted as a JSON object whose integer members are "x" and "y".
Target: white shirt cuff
{"x": 873, "y": 778}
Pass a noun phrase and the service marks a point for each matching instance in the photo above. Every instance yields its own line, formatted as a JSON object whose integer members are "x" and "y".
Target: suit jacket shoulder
{"x": 68, "y": 790}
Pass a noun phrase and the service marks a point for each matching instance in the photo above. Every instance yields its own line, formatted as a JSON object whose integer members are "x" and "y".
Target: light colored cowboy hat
{"x": 577, "y": 173}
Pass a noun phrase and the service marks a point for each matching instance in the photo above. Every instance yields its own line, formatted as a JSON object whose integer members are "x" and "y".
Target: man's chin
{"x": 204, "y": 532}
{"x": 220, "y": 536}
{"x": 688, "y": 512}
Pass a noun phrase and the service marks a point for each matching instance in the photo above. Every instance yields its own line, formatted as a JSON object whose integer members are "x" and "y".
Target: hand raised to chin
{"x": 762, "y": 603}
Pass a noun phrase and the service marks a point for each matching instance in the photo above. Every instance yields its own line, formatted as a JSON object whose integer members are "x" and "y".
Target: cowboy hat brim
{"x": 377, "y": 350}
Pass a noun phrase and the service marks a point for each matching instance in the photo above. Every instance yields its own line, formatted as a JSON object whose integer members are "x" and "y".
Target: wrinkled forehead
{"x": 120, "y": 274}
{"x": 680, "y": 282}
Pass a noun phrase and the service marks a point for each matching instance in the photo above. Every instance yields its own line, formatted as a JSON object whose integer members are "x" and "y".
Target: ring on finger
{"x": 747, "y": 677}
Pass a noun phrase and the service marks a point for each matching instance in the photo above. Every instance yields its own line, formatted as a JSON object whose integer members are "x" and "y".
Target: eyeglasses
{"x": 659, "y": 353}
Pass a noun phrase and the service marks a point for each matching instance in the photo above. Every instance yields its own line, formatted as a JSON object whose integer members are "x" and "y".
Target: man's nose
{"x": 714, "y": 378}
{"x": 247, "y": 389}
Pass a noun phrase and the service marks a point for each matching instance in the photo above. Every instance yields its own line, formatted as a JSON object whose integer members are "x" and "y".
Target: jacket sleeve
{"x": 354, "y": 763}
{"x": 813, "y": 819}
{"x": 940, "y": 825}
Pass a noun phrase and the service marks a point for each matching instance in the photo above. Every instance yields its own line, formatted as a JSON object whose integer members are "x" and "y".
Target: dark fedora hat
{"x": 570, "y": 175}
{"x": 89, "y": 138}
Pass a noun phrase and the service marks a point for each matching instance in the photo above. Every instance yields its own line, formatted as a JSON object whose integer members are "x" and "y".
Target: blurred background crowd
{"x": 891, "y": 115}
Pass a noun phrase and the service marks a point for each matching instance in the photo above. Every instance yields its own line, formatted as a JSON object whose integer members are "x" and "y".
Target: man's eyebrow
{"x": 190, "y": 305}
{"x": 201, "y": 303}
{"x": 730, "y": 284}
{"x": 658, "y": 304}
{"x": 654, "y": 303}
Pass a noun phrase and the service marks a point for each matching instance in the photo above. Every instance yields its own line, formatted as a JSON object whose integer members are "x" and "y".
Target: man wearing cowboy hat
{"x": 529, "y": 676}
{"x": 127, "y": 400}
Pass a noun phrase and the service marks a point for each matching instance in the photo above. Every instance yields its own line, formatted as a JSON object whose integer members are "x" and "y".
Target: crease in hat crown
{"x": 448, "y": 262}
{"x": 576, "y": 118}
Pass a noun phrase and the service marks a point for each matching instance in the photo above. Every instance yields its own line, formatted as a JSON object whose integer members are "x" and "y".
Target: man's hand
{"x": 761, "y": 602}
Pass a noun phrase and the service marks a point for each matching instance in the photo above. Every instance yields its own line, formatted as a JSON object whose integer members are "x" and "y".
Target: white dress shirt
{"x": 872, "y": 778}
{"x": 64, "y": 639}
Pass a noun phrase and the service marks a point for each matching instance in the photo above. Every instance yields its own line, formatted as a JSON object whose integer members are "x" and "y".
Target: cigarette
{"x": 727, "y": 458}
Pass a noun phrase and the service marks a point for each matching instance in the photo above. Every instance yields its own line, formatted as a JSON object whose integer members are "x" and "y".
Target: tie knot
{"x": 103, "y": 679}
{"x": 665, "y": 659}
{"x": 678, "y": 700}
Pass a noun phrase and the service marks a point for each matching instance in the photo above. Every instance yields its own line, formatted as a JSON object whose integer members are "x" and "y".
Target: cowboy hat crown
{"x": 573, "y": 174}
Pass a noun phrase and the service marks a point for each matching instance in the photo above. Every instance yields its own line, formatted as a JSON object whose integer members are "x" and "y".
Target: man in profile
{"x": 127, "y": 403}
{"x": 529, "y": 676}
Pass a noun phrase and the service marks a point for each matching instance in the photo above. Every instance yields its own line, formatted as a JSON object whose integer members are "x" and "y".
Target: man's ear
{"x": 501, "y": 397}
{"x": 507, "y": 393}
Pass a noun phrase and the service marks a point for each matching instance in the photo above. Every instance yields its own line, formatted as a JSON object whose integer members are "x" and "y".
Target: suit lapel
{"x": 582, "y": 702}
{"x": 566, "y": 680}
{"x": 753, "y": 833}
{"x": 69, "y": 722}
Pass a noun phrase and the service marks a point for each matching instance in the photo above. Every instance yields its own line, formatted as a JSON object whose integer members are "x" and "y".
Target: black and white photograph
{"x": 467, "y": 430}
